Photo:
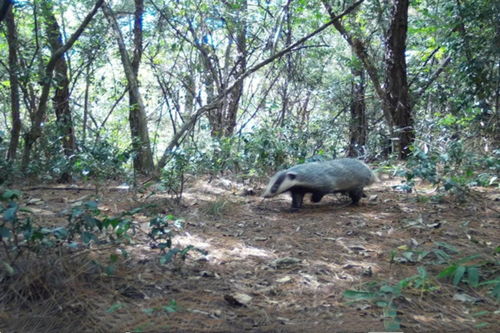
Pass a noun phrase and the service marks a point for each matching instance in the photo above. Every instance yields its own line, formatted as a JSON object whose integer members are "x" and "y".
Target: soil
{"x": 266, "y": 269}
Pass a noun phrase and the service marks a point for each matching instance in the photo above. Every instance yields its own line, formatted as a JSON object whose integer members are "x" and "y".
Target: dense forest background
{"x": 98, "y": 89}
{"x": 174, "y": 111}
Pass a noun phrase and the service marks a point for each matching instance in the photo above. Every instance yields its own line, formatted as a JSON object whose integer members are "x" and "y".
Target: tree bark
{"x": 397, "y": 100}
{"x": 14, "y": 84}
{"x": 4, "y": 9}
{"x": 285, "y": 96}
{"x": 61, "y": 93}
{"x": 143, "y": 160}
{"x": 358, "y": 127}
{"x": 232, "y": 101}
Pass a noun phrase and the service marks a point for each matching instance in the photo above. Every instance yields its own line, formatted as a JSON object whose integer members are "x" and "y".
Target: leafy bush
{"x": 453, "y": 168}
{"x": 20, "y": 233}
{"x": 161, "y": 235}
{"x": 103, "y": 161}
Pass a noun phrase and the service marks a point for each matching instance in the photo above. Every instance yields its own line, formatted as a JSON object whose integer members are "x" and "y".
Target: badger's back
{"x": 341, "y": 175}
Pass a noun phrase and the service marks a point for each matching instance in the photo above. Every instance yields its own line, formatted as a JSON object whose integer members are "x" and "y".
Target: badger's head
{"x": 281, "y": 182}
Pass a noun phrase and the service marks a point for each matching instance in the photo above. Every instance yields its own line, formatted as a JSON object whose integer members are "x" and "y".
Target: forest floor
{"x": 267, "y": 269}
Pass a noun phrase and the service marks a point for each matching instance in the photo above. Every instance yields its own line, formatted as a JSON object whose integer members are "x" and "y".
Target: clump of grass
{"x": 218, "y": 208}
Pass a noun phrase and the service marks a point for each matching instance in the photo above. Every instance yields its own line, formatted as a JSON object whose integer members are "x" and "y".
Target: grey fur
{"x": 346, "y": 175}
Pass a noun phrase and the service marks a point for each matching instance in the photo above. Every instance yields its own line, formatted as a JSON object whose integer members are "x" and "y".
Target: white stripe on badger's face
{"x": 280, "y": 182}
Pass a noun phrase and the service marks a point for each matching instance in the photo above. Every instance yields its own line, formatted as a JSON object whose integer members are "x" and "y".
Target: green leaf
{"x": 393, "y": 324}
{"x": 10, "y": 195}
{"x": 148, "y": 311}
{"x": 447, "y": 272}
{"x": 115, "y": 307}
{"x": 473, "y": 276}
{"x": 480, "y": 313}
{"x": 171, "y": 307}
{"x": 168, "y": 256}
{"x": 186, "y": 250}
{"x": 88, "y": 236}
{"x": 390, "y": 289}
{"x": 443, "y": 257}
{"x": 447, "y": 246}
{"x": 5, "y": 233}
{"x": 111, "y": 221}
{"x": 469, "y": 258}
{"x": 10, "y": 213}
{"x": 10, "y": 270}
{"x": 459, "y": 273}
{"x": 485, "y": 283}
{"x": 91, "y": 205}
{"x": 60, "y": 232}
{"x": 359, "y": 295}
{"x": 496, "y": 290}
{"x": 390, "y": 312}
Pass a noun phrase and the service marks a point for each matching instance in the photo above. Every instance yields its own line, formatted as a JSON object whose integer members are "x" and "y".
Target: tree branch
{"x": 192, "y": 120}
{"x": 42, "y": 106}
{"x": 433, "y": 78}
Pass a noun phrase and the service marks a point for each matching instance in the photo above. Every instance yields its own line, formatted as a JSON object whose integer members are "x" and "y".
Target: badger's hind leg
{"x": 297, "y": 200}
{"x": 317, "y": 196}
{"x": 356, "y": 195}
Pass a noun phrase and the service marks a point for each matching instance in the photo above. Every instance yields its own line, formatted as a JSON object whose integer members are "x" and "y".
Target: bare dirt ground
{"x": 267, "y": 269}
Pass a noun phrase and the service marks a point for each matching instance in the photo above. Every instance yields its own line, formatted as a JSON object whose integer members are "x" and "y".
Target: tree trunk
{"x": 14, "y": 85}
{"x": 143, "y": 161}
{"x": 394, "y": 95}
{"x": 285, "y": 95}
{"x": 61, "y": 93}
{"x": 4, "y": 8}
{"x": 232, "y": 100}
{"x": 223, "y": 118}
{"x": 358, "y": 127}
{"x": 397, "y": 97}
{"x": 38, "y": 117}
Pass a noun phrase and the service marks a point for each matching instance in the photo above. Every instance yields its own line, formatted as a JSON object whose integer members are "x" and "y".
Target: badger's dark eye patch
{"x": 292, "y": 176}
{"x": 277, "y": 183}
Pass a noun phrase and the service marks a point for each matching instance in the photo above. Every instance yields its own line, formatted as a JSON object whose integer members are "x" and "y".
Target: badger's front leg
{"x": 297, "y": 200}
{"x": 356, "y": 195}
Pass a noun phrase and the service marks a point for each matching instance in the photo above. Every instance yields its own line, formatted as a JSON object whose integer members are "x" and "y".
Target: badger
{"x": 345, "y": 175}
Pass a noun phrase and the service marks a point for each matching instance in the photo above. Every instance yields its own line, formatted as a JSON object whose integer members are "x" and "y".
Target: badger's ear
{"x": 291, "y": 175}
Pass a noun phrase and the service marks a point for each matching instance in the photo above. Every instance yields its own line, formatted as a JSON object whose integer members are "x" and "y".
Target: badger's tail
{"x": 374, "y": 178}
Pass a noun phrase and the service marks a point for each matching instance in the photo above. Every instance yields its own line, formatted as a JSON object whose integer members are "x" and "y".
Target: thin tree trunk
{"x": 86, "y": 105}
{"x": 61, "y": 93}
{"x": 358, "y": 129}
{"x": 37, "y": 119}
{"x": 231, "y": 105}
{"x": 143, "y": 161}
{"x": 285, "y": 96}
{"x": 394, "y": 95}
{"x": 14, "y": 85}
